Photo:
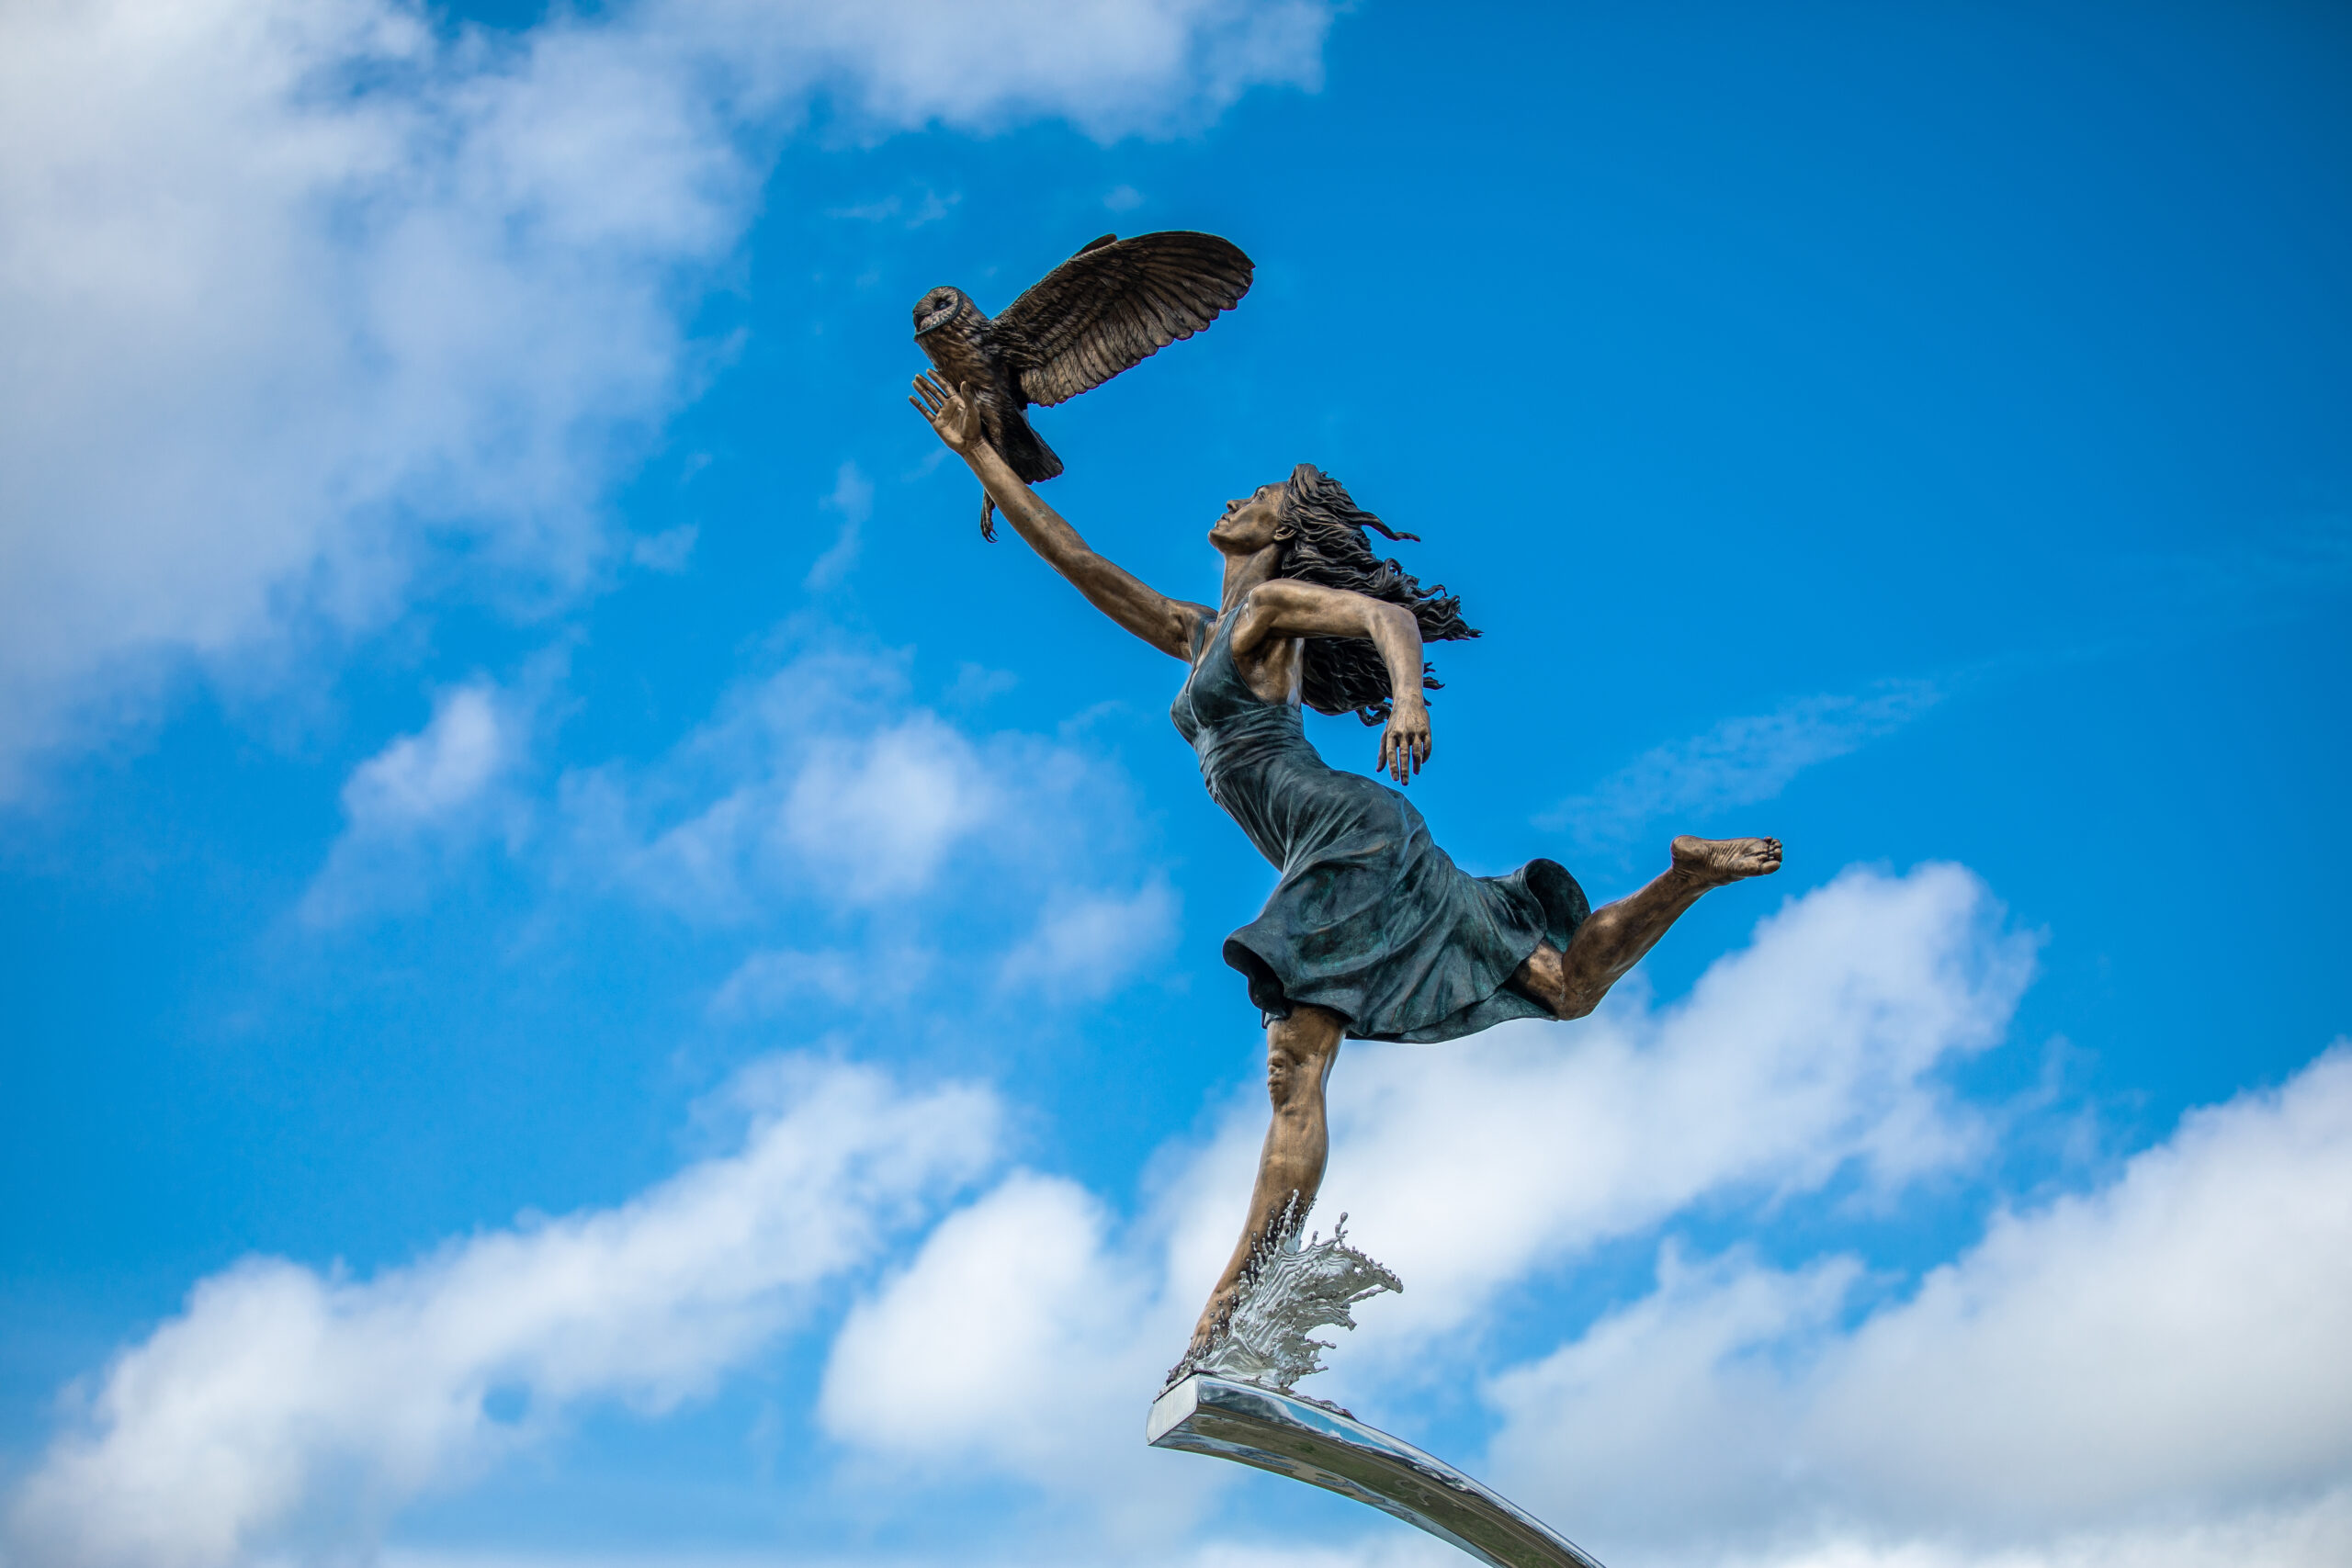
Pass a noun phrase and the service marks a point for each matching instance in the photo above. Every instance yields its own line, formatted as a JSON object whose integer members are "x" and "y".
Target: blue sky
{"x": 595, "y": 980}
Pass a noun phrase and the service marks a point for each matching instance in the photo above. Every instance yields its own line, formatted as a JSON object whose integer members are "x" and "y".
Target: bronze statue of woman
{"x": 1372, "y": 932}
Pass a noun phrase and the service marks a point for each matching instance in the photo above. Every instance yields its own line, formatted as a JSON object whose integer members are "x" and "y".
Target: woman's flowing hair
{"x": 1327, "y": 546}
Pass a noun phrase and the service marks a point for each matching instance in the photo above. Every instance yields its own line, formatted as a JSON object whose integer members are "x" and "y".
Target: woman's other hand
{"x": 1405, "y": 744}
{"x": 953, "y": 414}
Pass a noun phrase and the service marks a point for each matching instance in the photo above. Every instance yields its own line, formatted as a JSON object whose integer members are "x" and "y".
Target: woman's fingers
{"x": 1403, "y": 754}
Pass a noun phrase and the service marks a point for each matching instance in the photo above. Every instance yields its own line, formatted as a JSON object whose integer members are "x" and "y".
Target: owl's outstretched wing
{"x": 1114, "y": 304}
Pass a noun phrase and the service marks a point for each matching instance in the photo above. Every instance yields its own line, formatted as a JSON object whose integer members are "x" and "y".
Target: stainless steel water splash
{"x": 1290, "y": 1290}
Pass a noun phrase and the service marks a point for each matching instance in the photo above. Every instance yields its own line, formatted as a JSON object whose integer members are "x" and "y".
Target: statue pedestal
{"x": 1291, "y": 1436}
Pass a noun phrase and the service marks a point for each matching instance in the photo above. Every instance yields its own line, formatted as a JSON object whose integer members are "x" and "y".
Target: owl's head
{"x": 938, "y": 308}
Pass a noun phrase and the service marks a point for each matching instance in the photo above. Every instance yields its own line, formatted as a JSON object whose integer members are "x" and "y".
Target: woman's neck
{"x": 1244, "y": 572}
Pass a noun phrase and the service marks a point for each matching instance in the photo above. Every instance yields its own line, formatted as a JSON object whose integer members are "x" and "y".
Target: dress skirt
{"x": 1371, "y": 919}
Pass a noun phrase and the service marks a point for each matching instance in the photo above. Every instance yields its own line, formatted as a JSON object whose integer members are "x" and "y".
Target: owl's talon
{"x": 987, "y": 517}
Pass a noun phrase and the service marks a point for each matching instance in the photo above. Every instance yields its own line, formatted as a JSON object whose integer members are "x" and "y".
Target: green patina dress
{"x": 1371, "y": 919}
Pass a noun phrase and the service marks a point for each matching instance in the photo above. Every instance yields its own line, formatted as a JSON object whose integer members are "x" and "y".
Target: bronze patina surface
{"x": 1372, "y": 931}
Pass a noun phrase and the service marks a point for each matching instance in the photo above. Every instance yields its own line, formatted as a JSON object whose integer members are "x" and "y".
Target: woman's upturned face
{"x": 1250, "y": 522}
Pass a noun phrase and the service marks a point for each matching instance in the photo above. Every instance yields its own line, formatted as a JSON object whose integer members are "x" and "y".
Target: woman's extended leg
{"x": 1300, "y": 1050}
{"x": 1613, "y": 940}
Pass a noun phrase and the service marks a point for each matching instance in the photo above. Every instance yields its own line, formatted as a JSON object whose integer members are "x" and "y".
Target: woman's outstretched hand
{"x": 1405, "y": 744}
{"x": 953, "y": 414}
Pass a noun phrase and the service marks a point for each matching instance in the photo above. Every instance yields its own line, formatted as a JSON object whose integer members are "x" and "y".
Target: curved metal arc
{"x": 1305, "y": 1441}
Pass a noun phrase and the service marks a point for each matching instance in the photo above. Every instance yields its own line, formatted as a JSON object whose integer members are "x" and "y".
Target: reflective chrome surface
{"x": 1310, "y": 1442}
{"x": 1287, "y": 1290}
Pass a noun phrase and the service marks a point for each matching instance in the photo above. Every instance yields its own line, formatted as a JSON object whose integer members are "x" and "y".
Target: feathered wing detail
{"x": 1113, "y": 305}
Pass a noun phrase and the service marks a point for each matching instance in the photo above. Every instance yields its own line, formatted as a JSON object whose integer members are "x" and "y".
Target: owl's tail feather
{"x": 1026, "y": 452}
{"x": 1027, "y": 456}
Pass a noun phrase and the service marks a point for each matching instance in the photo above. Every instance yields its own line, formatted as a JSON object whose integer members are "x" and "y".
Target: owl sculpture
{"x": 1114, "y": 304}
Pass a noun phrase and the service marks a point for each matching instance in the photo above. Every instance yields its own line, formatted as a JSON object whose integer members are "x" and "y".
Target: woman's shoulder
{"x": 1283, "y": 593}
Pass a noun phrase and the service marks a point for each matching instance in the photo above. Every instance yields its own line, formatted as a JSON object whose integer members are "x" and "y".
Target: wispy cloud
{"x": 930, "y": 208}
{"x": 298, "y": 293}
{"x": 778, "y": 980}
{"x": 853, "y": 502}
{"x": 822, "y": 784}
{"x": 667, "y": 551}
{"x": 421, "y": 799}
{"x": 1738, "y": 763}
{"x": 1087, "y": 943}
{"x": 287, "y": 1414}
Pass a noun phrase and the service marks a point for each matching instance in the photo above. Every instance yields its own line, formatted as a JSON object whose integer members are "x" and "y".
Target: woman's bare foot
{"x": 1211, "y": 1326}
{"x": 1716, "y": 862}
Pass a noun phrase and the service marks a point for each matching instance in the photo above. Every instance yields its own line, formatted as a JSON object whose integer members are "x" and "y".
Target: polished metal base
{"x": 1304, "y": 1440}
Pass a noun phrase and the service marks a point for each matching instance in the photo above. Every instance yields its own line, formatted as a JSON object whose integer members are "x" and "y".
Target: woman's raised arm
{"x": 1167, "y": 624}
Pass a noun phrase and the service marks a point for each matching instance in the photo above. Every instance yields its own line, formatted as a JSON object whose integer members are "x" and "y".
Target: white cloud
{"x": 977, "y": 684}
{"x": 1024, "y": 1340}
{"x": 1392, "y": 1546}
{"x": 878, "y": 812}
{"x": 1738, "y": 763}
{"x": 1087, "y": 943}
{"x": 300, "y": 294}
{"x": 1018, "y": 1280}
{"x": 668, "y": 551}
{"x": 289, "y": 1411}
{"x": 271, "y": 324}
{"x": 423, "y": 778}
{"x": 824, "y": 779}
{"x": 2161, "y": 1357}
{"x": 2317, "y": 1534}
{"x": 818, "y": 776}
{"x": 770, "y": 981}
{"x": 421, "y": 799}
{"x": 1111, "y": 67}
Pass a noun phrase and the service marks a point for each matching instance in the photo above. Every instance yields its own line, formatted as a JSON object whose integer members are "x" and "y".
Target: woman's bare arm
{"x": 1167, "y": 624}
{"x": 1287, "y": 608}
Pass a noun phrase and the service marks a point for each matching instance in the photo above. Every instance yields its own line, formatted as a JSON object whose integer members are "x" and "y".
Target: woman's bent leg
{"x": 1300, "y": 1050}
{"x": 1615, "y": 936}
